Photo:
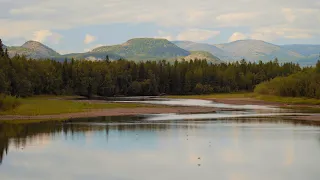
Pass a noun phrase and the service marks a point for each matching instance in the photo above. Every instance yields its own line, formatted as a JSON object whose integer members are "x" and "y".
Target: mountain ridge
{"x": 144, "y": 49}
{"x": 253, "y": 50}
{"x": 159, "y": 49}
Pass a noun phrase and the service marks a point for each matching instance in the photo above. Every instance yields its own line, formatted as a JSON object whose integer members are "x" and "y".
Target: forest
{"x": 23, "y": 77}
{"x": 305, "y": 83}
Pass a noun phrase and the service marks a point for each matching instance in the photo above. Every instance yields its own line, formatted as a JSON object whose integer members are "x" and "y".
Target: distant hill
{"x": 304, "y": 49}
{"x": 255, "y": 50}
{"x": 309, "y": 60}
{"x": 202, "y": 55}
{"x": 192, "y": 46}
{"x": 33, "y": 49}
{"x": 251, "y": 50}
{"x": 144, "y": 49}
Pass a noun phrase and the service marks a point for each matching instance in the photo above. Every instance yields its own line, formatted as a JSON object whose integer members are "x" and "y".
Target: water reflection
{"x": 131, "y": 148}
{"x": 195, "y": 102}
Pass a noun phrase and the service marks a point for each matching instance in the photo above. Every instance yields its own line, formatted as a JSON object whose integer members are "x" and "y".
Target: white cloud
{"x": 89, "y": 39}
{"x": 237, "y": 36}
{"x": 288, "y": 14}
{"x": 25, "y": 17}
{"x": 236, "y": 17}
{"x": 189, "y": 35}
{"x": 31, "y": 10}
{"x": 93, "y": 47}
{"x": 46, "y": 35}
{"x": 276, "y": 32}
{"x": 169, "y": 38}
{"x": 197, "y": 35}
{"x": 164, "y": 35}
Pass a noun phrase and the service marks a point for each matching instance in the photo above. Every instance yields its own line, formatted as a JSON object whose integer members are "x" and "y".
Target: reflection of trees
{"x": 4, "y": 143}
{"x": 19, "y": 135}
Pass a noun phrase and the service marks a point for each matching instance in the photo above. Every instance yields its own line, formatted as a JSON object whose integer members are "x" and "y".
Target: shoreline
{"x": 124, "y": 111}
{"x": 115, "y": 112}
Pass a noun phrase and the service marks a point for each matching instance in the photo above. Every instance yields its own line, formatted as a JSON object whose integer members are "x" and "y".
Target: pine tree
{"x": 1, "y": 49}
{"x": 6, "y": 54}
{"x": 107, "y": 59}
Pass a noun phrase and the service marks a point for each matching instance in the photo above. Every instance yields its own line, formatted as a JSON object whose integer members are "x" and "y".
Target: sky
{"x": 81, "y": 25}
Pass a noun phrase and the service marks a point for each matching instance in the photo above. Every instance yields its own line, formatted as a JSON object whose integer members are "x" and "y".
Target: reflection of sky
{"x": 116, "y": 140}
{"x": 202, "y": 103}
{"x": 238, "y": 151}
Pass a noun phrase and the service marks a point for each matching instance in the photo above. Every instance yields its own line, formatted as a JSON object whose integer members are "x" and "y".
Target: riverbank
{"x": 306, "y": 105}
{"x": 254, "y": 99}
{"x": 65, "y": 107}
{"x": 114, "y": 112}
{"x": 55, "y": 105}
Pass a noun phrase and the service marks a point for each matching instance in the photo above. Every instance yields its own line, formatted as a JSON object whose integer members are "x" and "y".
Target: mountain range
{"x": 254, "y": 50}
{"x": 141, "y": 49}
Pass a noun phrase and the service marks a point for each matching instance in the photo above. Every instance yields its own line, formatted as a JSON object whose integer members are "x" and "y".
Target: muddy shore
{"x": 159, "y": 110}
{"x": 115, "y": 112}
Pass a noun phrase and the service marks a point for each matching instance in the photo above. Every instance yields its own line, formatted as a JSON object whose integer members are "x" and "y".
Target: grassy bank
{"x": 8, "y": 102}
{"x": 46, "y": 105}
{"x": 29, "y": 121}
{"x": 288, "y": 100}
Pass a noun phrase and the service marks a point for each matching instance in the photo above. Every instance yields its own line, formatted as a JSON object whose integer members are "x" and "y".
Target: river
{"x": 227, "y": 145}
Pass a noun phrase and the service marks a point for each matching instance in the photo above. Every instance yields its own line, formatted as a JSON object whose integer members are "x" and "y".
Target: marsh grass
{"x": 289, "y": 100}
{"x": 43, "y": 105}
{"x": 8, "y": 102}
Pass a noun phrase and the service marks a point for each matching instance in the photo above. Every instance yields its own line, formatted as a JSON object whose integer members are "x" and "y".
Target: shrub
{"x": 8, "y": 102}
{"x": 301, "y": 84}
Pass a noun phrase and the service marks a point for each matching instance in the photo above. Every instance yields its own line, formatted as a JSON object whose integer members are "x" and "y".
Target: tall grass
{"x": 48, "y": 105}
{"x": 8, "y": 102}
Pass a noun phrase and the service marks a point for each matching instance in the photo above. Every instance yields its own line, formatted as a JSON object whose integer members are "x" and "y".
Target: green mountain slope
{"x": 33, "y": 49}
{"x": 192, "y": 46}
{"x": 144, "y": 49}
{"x": 202, "y": 55}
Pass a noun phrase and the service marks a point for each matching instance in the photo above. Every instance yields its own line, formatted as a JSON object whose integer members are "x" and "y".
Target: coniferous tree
{"x": 1, "y": 49}
{"x": 107, "y": 59}
{"x": 6, "y": 54}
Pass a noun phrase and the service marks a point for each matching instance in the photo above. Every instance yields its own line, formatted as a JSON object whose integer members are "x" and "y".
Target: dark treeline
{"x": 305, "y": 83}
{"x": 23, "y": 77}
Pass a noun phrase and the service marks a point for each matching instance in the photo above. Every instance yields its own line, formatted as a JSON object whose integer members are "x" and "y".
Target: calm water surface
{"x": 132, "y": 148}
{"x": 192, "y": 102}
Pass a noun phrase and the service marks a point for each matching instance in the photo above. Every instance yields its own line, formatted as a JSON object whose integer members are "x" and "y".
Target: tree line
{"x": 305, "y": 83}
{"x": 22, "y": 77}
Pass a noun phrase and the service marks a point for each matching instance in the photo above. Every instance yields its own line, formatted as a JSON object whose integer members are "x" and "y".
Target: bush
{"x": 203, "y": 89}
{"x": 301, "y": 84}
{"x": 8, "y": 102}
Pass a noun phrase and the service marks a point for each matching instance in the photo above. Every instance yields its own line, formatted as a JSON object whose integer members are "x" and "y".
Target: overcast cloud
{"x": 268, "y": 20}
